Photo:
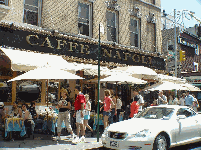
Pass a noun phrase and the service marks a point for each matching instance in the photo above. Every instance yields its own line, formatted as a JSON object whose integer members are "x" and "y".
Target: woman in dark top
{"x": 64, "y": 107}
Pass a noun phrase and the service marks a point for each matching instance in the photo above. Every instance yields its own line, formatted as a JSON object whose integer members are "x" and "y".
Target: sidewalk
{"x": 43, "y": 142}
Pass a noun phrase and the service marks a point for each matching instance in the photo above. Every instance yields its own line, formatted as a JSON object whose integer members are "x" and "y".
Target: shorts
{"x": 86, "y": 117}
{"x": 106, "y": 113}
{"x": 79, "y": 119}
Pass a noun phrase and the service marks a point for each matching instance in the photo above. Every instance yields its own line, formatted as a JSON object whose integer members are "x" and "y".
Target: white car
{"x": 156, "y": 128}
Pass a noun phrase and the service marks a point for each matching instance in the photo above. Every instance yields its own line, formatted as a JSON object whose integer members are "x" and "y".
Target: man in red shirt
{"x": 80, "y": 105}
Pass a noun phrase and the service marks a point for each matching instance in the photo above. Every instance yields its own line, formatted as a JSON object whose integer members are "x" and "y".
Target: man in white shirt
{"x": 140, "y": 101}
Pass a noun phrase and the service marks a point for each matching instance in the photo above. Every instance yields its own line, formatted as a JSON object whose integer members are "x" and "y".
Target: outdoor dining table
{"x": 14, "y": 124}
{"x": 50, "y": 123}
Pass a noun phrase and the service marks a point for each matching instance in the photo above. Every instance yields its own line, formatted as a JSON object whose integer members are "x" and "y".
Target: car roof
{"x": 171, "y": 106}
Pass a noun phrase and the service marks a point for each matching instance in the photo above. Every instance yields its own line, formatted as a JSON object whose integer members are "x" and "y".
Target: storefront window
{"x": 32, "y": 13}
{"x": 111, "y": 26}
{"x": 134, "y": 32}
{"x": 84, "y": 21}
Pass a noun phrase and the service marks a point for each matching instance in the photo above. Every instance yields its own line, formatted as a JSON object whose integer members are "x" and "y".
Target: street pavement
{"x": 46, "y": 142}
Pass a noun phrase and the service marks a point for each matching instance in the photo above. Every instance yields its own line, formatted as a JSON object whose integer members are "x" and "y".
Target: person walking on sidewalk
{"x": 139, "y": 98}
{"x": 64, "y": 107}
{"x": 134, "y": 107}
{"x": 80, "y": 105}
{"x": 189, "y": 100}
{"x": 119, "y": 104}
{"x": 196, "y": 103}
{"x": 87, "y": 114}
{"x": 107, "y": 107}
{"x": 113, "y": 107}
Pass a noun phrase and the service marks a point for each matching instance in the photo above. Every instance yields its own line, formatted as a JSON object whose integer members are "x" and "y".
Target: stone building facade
{"x": 129, "y": 28}
{"x": 62, "y": 16}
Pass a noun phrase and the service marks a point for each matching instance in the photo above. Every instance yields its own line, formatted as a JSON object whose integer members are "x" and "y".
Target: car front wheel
{"x": 160, "y": 143}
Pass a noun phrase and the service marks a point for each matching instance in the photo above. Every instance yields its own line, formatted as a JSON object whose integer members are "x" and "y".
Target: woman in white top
{"x": 87, "y": 114}
{"x": 119, "y": 104}
{"x": 27, "y": 117}
{"x": 196, "y": 104}
{"x": 182, "y": 100}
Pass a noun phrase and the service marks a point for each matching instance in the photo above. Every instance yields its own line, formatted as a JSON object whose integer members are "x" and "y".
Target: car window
{"x": 185, "y": 111}
{"x": 156, "y": 113}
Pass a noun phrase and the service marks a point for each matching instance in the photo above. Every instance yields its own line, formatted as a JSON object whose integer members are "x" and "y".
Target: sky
{"x": 191, "y": 5}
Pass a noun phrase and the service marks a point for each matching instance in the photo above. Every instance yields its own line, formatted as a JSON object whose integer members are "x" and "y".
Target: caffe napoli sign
{"x": 76, "y": 48}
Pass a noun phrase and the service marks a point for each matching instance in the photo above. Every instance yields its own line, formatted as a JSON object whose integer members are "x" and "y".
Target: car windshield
{"x": 156, "y": 113}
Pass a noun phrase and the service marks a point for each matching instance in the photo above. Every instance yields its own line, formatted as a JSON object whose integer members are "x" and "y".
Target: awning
{"x": 25, "y": 61}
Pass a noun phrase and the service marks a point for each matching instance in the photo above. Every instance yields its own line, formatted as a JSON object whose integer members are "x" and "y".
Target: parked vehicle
{"x": 157, "y": 127}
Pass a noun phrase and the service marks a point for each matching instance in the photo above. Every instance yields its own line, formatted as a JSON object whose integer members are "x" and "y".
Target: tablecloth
{"x": 14, "y": 124}
{"x": 51, "y": 124}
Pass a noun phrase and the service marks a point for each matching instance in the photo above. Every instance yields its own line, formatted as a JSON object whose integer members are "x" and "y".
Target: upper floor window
{"x": 170, "y": 45}
{"x": 134, "y": 32}
{"x": 4, "y": 2}
{"x": 153, "y": 2}
{"x": 85, "y": 19}
{"x": 32, "y": 12}
{"x": 112, "y": 19}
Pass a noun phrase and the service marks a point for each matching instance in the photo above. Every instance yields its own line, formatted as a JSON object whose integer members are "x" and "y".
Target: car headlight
{"x": 143, "y": 133}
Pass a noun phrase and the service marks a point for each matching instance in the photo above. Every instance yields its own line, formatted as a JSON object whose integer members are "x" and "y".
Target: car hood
{"x": 138, "y": 124}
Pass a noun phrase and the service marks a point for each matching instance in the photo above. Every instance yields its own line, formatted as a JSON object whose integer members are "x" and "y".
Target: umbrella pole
{"x": 116, "y": 89}
{"x": 47, "y": 92}
{"x": 47, "y": 101}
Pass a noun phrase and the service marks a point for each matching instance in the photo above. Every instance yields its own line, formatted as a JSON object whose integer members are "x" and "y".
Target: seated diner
{"x": 27, "y": 118}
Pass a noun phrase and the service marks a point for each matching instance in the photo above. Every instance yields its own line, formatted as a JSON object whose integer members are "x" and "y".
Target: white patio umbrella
{"x": 26, "y": 61}
{"x": 163, "y": 77}
{"x": 46, "y": 73}
{"x": 165, "y": 85}
{"x": 138, "y": 71}
{"x": 123, "y": 78}
{"x": 190, "y": 87}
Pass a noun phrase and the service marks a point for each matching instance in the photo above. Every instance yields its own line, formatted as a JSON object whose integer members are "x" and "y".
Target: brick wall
{"x": 16, "y": 12}
{"x": 62, "y": 15}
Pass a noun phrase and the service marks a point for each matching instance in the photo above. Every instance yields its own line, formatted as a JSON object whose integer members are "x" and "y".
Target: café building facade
{"x": 130, "y": 35}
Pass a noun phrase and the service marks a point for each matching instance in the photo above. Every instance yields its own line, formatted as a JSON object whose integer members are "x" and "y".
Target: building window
{"x": 134, "y": 32}
{"x": 152, "y": 36}
{"x": 195, "y": 66}
{"x": 170, "y": 45}
{"x": 152, "y": 2}
{"x": 197, "y": 49}
{"x": 32, "y": 12}
{"x": 85, "y": 19}
{"x": 4, "y": 2}
{"x": 112, "y": 20}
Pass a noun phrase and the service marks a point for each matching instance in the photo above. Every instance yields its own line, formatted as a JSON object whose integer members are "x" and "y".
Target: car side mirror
{"x": 181, "y": 117}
